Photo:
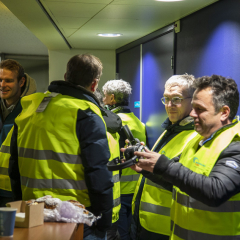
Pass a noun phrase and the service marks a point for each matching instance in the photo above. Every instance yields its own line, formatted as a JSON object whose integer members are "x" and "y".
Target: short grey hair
{"x": 185, "y": 80}
{"x": 121, "y": 90}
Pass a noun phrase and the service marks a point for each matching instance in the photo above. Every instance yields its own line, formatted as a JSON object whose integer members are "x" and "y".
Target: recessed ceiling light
{"x": 109, "y": 34}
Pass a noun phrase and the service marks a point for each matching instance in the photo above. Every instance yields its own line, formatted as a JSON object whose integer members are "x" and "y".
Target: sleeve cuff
{"x": 161, "y": 165}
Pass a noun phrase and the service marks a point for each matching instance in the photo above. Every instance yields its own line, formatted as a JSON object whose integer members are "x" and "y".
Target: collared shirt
{"x": 7, "y": 110}
{"x": 202, "y": 142}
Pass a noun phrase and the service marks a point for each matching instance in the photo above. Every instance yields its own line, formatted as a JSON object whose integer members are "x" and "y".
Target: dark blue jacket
{"x": 89, "y": 128}
{"x": 137, "y": 231}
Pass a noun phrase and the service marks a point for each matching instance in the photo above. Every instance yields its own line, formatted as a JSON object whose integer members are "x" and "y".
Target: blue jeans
{"x": 92, "y": 236}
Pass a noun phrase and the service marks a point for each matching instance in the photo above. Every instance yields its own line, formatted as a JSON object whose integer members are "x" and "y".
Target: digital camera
{"x": 130, "y": 158}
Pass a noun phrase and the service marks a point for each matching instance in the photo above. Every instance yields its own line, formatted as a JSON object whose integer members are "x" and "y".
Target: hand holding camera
{"x": 130, "y": 157}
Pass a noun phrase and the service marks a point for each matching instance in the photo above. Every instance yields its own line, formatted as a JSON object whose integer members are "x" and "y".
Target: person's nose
{"x": 2, "y": 83}
{"x": 169, "y": 103}
{"x": 193, "y": 113}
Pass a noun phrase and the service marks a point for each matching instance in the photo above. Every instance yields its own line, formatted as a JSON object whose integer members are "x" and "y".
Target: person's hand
{"x": 136, "y": 168}
{"x": 123, "y": 149}
{"x": 127, "y": 143}
{"x": 147, "y": 160}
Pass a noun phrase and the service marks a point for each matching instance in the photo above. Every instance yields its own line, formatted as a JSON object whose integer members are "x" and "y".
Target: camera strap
{"x": 116, "y": 164}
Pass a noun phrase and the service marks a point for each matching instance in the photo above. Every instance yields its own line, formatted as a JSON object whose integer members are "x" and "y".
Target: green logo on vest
{"x": 163, "y": 152}
{"x": 197, "y": 163}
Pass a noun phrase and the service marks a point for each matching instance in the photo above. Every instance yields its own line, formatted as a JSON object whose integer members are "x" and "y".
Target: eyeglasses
{"x": 174, "y": 100}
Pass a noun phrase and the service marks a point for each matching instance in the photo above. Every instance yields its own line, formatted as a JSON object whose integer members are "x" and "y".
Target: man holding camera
{"x": 151, "y": 201}
{"x": 206, "y": 198}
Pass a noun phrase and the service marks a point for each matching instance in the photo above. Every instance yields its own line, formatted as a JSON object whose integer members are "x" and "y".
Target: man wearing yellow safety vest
{"x": 116, "y": 99}
{"x": 14, "y": 84}
{"x": 151, "y": 201}
{"x": 206, "y": 198}
{"x": 60, "y": 146}
{"x": 114, "y": 124}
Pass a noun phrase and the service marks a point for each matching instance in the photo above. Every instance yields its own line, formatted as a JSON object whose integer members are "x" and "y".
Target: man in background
{"x": 60, "y": 147}
{"x": 117, "y": 93}
{"x": 14, "y": 84}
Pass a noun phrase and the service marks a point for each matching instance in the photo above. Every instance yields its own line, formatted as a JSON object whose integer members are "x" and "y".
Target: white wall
{"x": 38, "y": 70}
{"x": 58, "y": 62}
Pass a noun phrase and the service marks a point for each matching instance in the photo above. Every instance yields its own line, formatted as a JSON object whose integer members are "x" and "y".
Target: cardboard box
{"x": 33, "y": 214}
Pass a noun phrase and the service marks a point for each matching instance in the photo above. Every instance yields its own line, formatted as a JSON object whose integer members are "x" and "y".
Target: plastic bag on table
{"x": 65, "y": 211}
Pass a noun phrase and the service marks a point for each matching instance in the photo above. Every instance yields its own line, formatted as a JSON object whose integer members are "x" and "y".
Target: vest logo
{"x": 197, "y": 163}
{"x": 232, "y": 164}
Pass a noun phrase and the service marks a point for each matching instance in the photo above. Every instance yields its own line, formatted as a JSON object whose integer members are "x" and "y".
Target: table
{"x": 50, "y": 231}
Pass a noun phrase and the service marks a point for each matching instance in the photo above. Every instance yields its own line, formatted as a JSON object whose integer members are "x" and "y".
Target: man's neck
{"x": 213, "y": 132}
{"x": 11, "y": 102}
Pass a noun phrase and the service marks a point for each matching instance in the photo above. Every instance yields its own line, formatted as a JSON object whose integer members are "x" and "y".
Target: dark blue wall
{"x": 156, "y": 70}
{"x": 209, "y": 41}
{"x": 129, "y": 70}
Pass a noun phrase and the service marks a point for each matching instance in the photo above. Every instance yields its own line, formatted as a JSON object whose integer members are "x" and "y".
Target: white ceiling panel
{"x": 77, "y": 22}
{"x": 82, "y": 1}
{"x": 71, "y": 22}
{"x": 73, "y": 9}
{"x": 16, "y": 38}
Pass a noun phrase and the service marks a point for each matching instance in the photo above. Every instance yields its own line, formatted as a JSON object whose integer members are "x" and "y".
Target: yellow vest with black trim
{"x": 141, "y": 176}
{"x": 5, "y": 183}
{"x": 48, "y": 148}
{"x": 129, "y": 177}
{"x": 192, "y": 219}
{"x": 115, "y": 152}
{"x": 155, "y": 204}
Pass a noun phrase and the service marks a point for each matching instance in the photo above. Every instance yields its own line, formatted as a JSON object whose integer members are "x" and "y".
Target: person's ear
{"x": 112, "y": 98}
{"x": 65, "y": 74}
{"x": 22, "y": 81}
{"x": 225, "y": 111}
{"x": 94, "y": 84}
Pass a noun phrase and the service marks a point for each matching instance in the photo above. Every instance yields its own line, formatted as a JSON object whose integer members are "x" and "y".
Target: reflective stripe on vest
{"x": 49, "y": 154}
{"x": 193, "y": 219}
{"x": 53, "y": 183}
{"x": 155, "y": 205}
{"x": 5, "y": 183}
{"x": 115, "y": 152}
{"x": 49, "y": 158}
{"x": 129, "y": 177}
{"x": 116, "y": 178}
{"x": 183, "y": 233}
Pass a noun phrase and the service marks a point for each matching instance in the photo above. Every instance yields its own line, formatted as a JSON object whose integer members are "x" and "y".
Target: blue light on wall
{"x": 221, "y": 53}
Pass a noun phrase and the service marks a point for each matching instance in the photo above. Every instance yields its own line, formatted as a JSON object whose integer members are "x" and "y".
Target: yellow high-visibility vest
{"x": 5, "y": 183}
{"x": 155, "y": 205}
{"x": 115, "y": 152}
{"x": 129, "y": 177}
{"x": 192, "y": 219}
{"x": 48, "y": 148}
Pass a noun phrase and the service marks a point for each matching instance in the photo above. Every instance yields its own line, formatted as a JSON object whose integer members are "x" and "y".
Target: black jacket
{"x": 94, "y": 157}
{"x": 137, "y": 231}
{"x": 222, "y": 183}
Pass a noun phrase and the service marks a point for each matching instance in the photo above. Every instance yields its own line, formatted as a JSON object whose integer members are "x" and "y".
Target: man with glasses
{"x": 206, "y": 178}
{"x": 152, "y": 202}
